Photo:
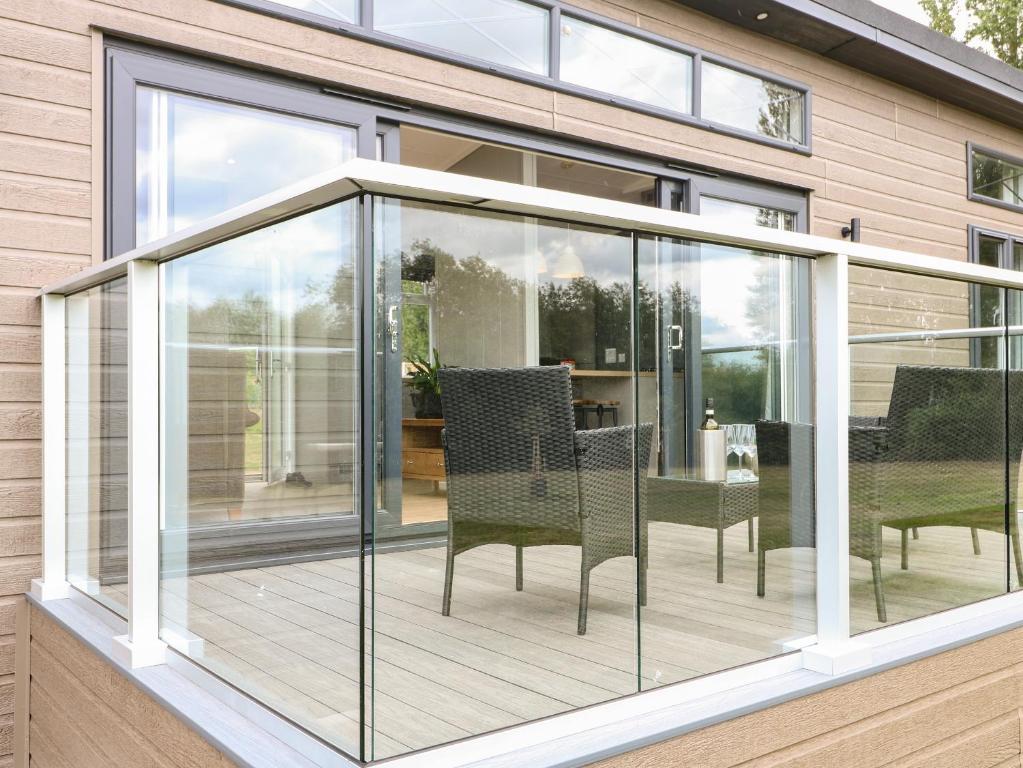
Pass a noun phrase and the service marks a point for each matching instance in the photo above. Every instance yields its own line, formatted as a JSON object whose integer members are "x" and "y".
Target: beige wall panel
{"x": 76, "y": 696}
{"x": 20, "y": 459}
{"x": 28, "y": 117}
{"x": 44, "y": 195}
{"x": 984, "y": 746}
{"x": 43, "y": 157}
{"x": 27, "y": 41}
{"x": 27, "y": 269}
{"x": 870, "y": 722}
{"x": 32, "y": 80}
{"x": 19, "y": 498}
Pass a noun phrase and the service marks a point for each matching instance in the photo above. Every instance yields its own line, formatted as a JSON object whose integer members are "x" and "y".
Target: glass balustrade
{"x": 428, "y": 471}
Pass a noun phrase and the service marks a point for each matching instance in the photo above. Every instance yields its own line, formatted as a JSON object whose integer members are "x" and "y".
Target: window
{"x": 988, "y": 303}
{"x": 752, "y": 103}
{"x": 601, "y": 59}
{"x": 995, "y": 178}
{"x": 556, "y": 46}
{"x": 196, "y": 157}
{"x": 202, "y": 138}
{"x": 506, "y": 32}
{"x": 342, "y": 10}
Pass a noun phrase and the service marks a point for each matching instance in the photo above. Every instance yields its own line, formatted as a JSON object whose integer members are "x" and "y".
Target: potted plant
{"x": 425, "y": 386}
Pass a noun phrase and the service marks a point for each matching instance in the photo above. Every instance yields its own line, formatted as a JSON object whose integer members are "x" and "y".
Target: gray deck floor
{"x": 289, "y": 634}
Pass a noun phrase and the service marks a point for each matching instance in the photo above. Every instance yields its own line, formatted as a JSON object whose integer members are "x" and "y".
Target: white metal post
{"x": 142, "y": 646}
{"x": 53, "y": 585}
{"x": 834, "y": 652}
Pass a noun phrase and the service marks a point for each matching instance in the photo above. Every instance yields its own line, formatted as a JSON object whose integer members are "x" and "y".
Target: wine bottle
{"x": 708, "y": 416}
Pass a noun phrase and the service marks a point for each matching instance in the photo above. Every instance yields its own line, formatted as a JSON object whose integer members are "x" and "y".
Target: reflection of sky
{"x": 308, "y": 251}
{"x": 505, "y": 32}
{"x": 599, "y": 58}
{"x": 504, "y": 241}
{"x": 209, "y": 156}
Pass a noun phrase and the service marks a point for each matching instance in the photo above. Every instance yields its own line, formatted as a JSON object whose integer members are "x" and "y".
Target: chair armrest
{"x": 608, "y": 463}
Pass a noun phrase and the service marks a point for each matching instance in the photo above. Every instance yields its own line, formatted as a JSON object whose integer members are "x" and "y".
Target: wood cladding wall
{"x": 884, "y": 153}
{"x": 958, "y": 709}
{"x": 85, "y": 714}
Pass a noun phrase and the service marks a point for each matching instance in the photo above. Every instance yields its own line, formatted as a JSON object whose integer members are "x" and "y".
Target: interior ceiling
{"x": 896, "y": 49}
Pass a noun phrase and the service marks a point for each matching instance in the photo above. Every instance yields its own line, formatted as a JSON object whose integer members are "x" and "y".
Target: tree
{"x": 942, "y": 14}
{"x": 996, "y": 23}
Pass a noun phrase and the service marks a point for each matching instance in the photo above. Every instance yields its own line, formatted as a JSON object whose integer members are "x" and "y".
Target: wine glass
{"x": 749, "y": 447}
{"x": 733, "y": 445}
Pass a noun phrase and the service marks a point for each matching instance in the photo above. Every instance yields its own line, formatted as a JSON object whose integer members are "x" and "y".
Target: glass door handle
{"x": 392, "y": 326}
{"x": 674, "y": 337}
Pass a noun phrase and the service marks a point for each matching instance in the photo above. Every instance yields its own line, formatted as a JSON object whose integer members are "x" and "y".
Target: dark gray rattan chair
{"x": 938, "y": 458}
{"x": 519, "y": 473}
{"x": 787, "y": 509}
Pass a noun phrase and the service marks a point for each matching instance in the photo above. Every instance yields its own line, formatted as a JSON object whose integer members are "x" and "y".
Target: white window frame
{"x": 830, "y": 658}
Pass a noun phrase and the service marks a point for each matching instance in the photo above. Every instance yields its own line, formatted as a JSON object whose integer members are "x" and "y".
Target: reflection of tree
{"x": 579, "y": 318}
{"x": 777, "y": 115}
{"x": 994, "y": 178}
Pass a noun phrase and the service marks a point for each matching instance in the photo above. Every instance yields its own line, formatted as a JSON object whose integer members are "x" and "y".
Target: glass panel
{"x": 608, "y": 61}
{"x": 927, "y": 448}
{"x": 751, "y": 103}
{"x": 506, "y": 32}
{"x": 97, "y": 443}
{"x": 746, "y": 214}
{"x": 260, "y": 373}
{"x": 198, "y": 157}
{"x": 532, "y": 320}
{"x": 733, "y": 326}
{"x": 342, "y": 10}
{"x": 987, "y": 302}
{"x": 997, "y": 178}
{"x": 457, "y": 154}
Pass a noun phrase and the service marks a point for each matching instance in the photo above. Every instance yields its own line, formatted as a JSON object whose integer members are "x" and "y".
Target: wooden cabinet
{"x": 422, "y": 455}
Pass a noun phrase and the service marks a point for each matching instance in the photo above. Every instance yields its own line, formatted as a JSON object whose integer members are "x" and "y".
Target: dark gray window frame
{"x": 364, "y": 31}
{"x": 975, "y": 196}
{"x": 128, "y": 68}
{"x": 1008, "y": 241}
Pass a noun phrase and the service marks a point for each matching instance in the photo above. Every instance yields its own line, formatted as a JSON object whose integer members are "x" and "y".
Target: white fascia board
{"x": 390, "y": 179}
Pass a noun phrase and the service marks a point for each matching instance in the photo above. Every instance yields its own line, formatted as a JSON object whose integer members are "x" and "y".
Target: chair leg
{"x": 721, "y": 555}
{"x": 641, "y": 586}
{"x": 905, "y": 549}
{"x": 518, "y": 569}
{"x": 749, "y": 532}
{"x": 882, "y": 611}
{"x": 761, "y": 571}
{"x": 916, "y": 533}
{"x": 1017, "y": 555}
{"x": 584, "y": 598}
{"x": 976, "y": 541}
{"x": 449, "y": 575}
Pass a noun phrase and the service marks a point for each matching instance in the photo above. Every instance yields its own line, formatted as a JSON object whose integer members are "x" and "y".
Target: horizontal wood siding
{"x": 884, "y": 153}
{"x": 959, "y": 709}
{"x": 84, "y": 713}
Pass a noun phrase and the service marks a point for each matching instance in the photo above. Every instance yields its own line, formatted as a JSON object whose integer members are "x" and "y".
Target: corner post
{"x": 142, "y": 646}
{"x": 834, "y": 653}
{"x": 53, "y": 585}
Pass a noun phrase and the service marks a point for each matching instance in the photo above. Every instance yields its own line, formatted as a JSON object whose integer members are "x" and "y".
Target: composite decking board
{"x": 284, "y": 632}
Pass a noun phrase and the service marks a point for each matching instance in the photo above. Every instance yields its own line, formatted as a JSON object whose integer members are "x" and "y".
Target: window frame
{"x": 128, "y": 67}
{"x": 364, "y": 31}
{"x": 972, "y": 194}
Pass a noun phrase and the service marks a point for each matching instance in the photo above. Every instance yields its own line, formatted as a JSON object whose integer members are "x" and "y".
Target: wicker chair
{"x": 519, "y": 473}
{"x": 939, "y": 455}
{"x": 787, "y": 506}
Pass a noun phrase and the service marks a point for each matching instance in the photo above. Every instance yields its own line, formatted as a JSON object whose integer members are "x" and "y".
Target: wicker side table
{"x": 717, "y": 505}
